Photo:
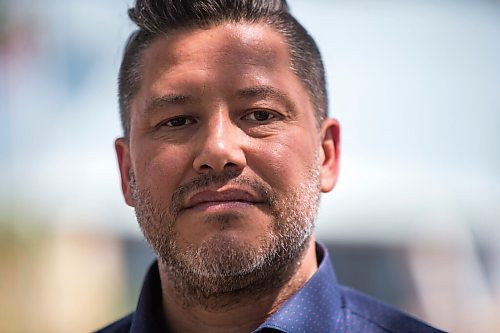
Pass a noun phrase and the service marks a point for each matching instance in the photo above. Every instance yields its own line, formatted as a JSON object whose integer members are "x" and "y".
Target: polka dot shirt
{"x": 324, "y": 306}
{"x": 321, "y": 306}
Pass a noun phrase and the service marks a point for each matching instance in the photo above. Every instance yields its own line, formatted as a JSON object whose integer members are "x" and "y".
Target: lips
{"x": 220, "y": 198}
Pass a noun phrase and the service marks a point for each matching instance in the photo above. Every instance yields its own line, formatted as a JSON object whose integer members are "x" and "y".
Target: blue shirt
{"x": 321, "y": 306}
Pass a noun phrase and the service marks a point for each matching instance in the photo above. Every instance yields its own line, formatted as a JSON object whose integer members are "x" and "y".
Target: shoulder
{"x": 120, "y": 326}
{"x": 366, "y": 314}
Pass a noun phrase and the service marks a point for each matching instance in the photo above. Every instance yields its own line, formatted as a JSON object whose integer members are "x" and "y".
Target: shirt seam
{"x": 274, "y": 326}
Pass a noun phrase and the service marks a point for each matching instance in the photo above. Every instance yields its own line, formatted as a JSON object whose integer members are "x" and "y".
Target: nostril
{"x": 230, "y": 165}
{"x": 212, "y": 158}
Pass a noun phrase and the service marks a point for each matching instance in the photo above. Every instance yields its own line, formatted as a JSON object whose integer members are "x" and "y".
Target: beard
{"x": 223, "y": 267}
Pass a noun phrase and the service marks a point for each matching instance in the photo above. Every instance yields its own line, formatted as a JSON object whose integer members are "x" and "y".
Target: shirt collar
{"x": 149, "y": 313}
{"x": 314, "y": 308}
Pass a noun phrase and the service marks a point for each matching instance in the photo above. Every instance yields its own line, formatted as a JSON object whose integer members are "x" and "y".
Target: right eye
{"x": 178, "y": 121}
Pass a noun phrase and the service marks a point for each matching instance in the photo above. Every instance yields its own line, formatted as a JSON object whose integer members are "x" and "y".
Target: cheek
{"x": 161, "y": 169}
{"x": 284, "y": 163}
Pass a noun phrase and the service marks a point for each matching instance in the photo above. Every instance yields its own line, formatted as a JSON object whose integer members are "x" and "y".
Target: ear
{"x": 329, "y": 154}
{"x": 124, "y": 163}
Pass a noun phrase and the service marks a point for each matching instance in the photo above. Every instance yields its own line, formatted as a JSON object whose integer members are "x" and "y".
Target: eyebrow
{"x": 264, "y": 92}
{"x": 166, "y": 100}
{"x": 257, "y": 92}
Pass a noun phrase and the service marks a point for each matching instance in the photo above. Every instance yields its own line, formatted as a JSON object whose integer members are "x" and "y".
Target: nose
{"x": 221, "y": 146}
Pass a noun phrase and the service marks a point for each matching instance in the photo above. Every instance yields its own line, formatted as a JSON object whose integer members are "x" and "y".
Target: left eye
{"x": 260, "y": 116}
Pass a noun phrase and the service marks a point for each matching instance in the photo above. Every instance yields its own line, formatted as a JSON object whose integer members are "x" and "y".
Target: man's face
{"x": 225, "y": 162}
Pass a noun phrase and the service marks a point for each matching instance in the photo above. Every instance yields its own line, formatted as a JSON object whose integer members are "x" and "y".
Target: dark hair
{"x": 156, "y": 18}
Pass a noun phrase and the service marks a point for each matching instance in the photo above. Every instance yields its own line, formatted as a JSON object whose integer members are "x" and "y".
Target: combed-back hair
{"x": 158, "y": 18}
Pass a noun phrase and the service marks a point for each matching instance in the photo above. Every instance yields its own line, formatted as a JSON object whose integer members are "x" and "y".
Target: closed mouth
{"x": 231, "y": 198}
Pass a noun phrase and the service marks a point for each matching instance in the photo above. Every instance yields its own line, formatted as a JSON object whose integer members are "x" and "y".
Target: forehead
{"x": 227, "y": 45}
{"x": 216, "y": 64}
{"x": 241, "y": 40}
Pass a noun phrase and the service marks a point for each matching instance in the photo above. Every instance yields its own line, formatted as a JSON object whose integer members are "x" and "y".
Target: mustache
{"x": 211, "y": 180}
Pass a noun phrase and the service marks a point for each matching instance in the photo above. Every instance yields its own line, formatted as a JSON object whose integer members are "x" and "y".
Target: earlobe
{"x": 330, "y": 154}
{"x": 124, "y": 163}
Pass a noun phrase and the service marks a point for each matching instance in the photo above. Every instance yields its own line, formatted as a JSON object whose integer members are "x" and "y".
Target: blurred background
{"x": 415, "y": 217}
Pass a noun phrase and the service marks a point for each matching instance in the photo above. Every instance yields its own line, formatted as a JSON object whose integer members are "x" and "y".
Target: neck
{"x": 242, "y": 311}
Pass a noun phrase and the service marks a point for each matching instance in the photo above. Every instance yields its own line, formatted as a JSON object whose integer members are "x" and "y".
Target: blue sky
{"x": 415, "y": 85}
